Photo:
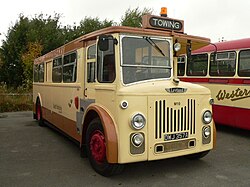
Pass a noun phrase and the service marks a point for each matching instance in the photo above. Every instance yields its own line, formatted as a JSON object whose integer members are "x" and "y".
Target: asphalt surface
{"x": 39, "y": 156}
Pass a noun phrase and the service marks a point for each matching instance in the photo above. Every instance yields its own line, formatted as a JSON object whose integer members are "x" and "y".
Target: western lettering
{"x": 234, "y": 95}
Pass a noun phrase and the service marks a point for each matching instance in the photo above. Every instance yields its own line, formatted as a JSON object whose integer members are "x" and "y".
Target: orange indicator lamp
{"x": 164, "y": 11}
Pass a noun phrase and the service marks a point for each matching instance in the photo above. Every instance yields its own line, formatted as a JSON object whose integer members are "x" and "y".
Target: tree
{"x": 133, "y": 18}
{"x": 43, "y": 30}
{"x": 34, "y": 51}
{"x": 11, "y": 50}
{"x": 86, "y": 26}
{"x": 29, "y": 38}
{"x": 46, "y": 30}
{"x": 92, "y": 24}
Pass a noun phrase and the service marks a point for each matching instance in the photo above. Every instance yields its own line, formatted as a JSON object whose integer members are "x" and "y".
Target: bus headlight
{"x": 138, "y": 121}
{"x": 207, "y": 117}
{"x": 206, "y": 131}
{"x": 177, "y": 47}
{"x": 137, "y": 139}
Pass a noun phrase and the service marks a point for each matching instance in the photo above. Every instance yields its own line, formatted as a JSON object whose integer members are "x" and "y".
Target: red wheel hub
{"x": 98, "y": 146}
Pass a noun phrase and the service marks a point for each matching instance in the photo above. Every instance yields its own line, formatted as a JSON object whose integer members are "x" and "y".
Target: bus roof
{"x": 225, "y": 46}
{"x": 197, "y": 42}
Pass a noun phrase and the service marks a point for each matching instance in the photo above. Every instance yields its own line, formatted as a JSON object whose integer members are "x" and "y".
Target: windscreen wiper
{"x": 149, "y": 40}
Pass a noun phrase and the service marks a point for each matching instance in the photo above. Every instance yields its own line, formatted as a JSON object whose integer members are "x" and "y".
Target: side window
{"x": 244, "y": 63}
{"x": 41, "y": 73}
{"x": 198, "y": 65}
{"x": 69, "y": 68}
{"x": 181, "y": 66}
{"x": 91, "y": 63}
{"x": 224, "y": 64}
{"x": 57, "y": 70}
{"x": 106, "y": 64}
{"x": 36, "y": 68}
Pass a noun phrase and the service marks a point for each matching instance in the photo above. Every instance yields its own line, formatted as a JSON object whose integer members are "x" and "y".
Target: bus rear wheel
{"x": 96, "y": 150}
{"x": 39, "y": 116}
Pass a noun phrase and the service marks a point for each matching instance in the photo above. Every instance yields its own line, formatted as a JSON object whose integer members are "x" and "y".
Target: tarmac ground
{"x": 31, "y": 155}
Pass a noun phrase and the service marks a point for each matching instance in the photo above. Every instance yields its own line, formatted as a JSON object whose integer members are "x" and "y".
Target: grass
{"x": 12, "y": 100}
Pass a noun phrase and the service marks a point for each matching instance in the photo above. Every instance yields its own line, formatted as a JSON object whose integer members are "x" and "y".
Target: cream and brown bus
{"x": 116, "y": 92}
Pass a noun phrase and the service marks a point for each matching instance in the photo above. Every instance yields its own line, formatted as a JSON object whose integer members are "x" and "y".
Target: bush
{"x": 12, "y": 100}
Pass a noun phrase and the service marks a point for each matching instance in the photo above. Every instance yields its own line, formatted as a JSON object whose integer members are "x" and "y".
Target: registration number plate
{"x": 176, "y": 136}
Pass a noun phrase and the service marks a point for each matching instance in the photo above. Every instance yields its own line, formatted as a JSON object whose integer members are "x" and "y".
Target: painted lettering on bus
{"x": 165, "y": 23}
{"x": 234, "y": 95}
{"x": 58, "y": 108}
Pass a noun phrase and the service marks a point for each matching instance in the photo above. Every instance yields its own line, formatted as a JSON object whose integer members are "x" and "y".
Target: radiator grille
{"x": 172, "y": 120}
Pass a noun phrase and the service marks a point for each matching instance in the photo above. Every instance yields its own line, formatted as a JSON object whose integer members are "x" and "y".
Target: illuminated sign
{"x": 165, "y": 23}
{"x": 162, "y": 23}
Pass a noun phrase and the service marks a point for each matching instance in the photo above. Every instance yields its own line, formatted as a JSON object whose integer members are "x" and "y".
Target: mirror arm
{"x": 189, "y": 50}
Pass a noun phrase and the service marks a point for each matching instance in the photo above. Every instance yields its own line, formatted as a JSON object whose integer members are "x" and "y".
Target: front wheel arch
{"x": 96, "y": 150}
{"x": 109, "y": 128}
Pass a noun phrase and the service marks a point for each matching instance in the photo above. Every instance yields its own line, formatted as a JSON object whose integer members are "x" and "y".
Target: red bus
{"x": 227, "y": 75}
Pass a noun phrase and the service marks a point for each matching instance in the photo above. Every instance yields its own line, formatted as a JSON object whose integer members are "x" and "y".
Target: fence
{"x": 10, "y": 102}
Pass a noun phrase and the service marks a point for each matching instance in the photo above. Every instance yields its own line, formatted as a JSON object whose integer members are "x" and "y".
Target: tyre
{"x": 197, "y": 156}
{"x": 96, "y": 150}
{"x": 39, "y": 116}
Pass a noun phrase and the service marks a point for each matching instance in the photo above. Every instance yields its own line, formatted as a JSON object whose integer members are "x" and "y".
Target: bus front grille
{"x": 172, "y": 119}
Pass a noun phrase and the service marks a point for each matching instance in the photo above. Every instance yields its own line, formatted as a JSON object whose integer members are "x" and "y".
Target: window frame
{"x": 68, "y": 64}
{"x": 101, "y": 70}
{"x": 145, "y": 66}
{"x": 220, "y": 73}
{"x": 196, "y": 73}
{"x": 41, "y": 71}
{"x": 37, "y": 72}
{"x": 247, "y": 74}
{"x": 58, "y": 66}
{"x": 91, "y": 61}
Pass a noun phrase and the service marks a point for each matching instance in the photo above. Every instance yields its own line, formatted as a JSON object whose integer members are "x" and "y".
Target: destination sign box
{"x": 162, "y": 23}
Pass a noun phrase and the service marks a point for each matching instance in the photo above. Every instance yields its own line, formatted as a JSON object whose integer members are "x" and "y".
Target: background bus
{"x": 227, "y": 75}
{"x": 116, "y": 92}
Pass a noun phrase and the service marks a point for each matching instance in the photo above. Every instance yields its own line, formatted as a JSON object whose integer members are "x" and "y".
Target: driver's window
{"x": 144, "y": 59}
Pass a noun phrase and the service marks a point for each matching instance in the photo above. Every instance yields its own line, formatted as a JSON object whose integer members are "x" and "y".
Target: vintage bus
{"x": 116, "y": 92}
{"x": 227, "y": 74}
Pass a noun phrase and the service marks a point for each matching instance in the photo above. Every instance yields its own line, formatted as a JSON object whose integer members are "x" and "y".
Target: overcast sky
{"x": 211, "y": 18}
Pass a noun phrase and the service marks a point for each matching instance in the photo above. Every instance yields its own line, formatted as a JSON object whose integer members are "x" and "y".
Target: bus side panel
{"x": 231, "y": 116}
{"x": 242, "y": 121}
{"x": 223, "y": 115}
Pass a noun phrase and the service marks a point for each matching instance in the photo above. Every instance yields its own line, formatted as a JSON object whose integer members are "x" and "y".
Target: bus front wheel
{"x": 96, "y": 150}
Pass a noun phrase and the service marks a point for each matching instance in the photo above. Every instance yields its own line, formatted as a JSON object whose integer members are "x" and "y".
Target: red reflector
{"x": 77, "y": 102}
